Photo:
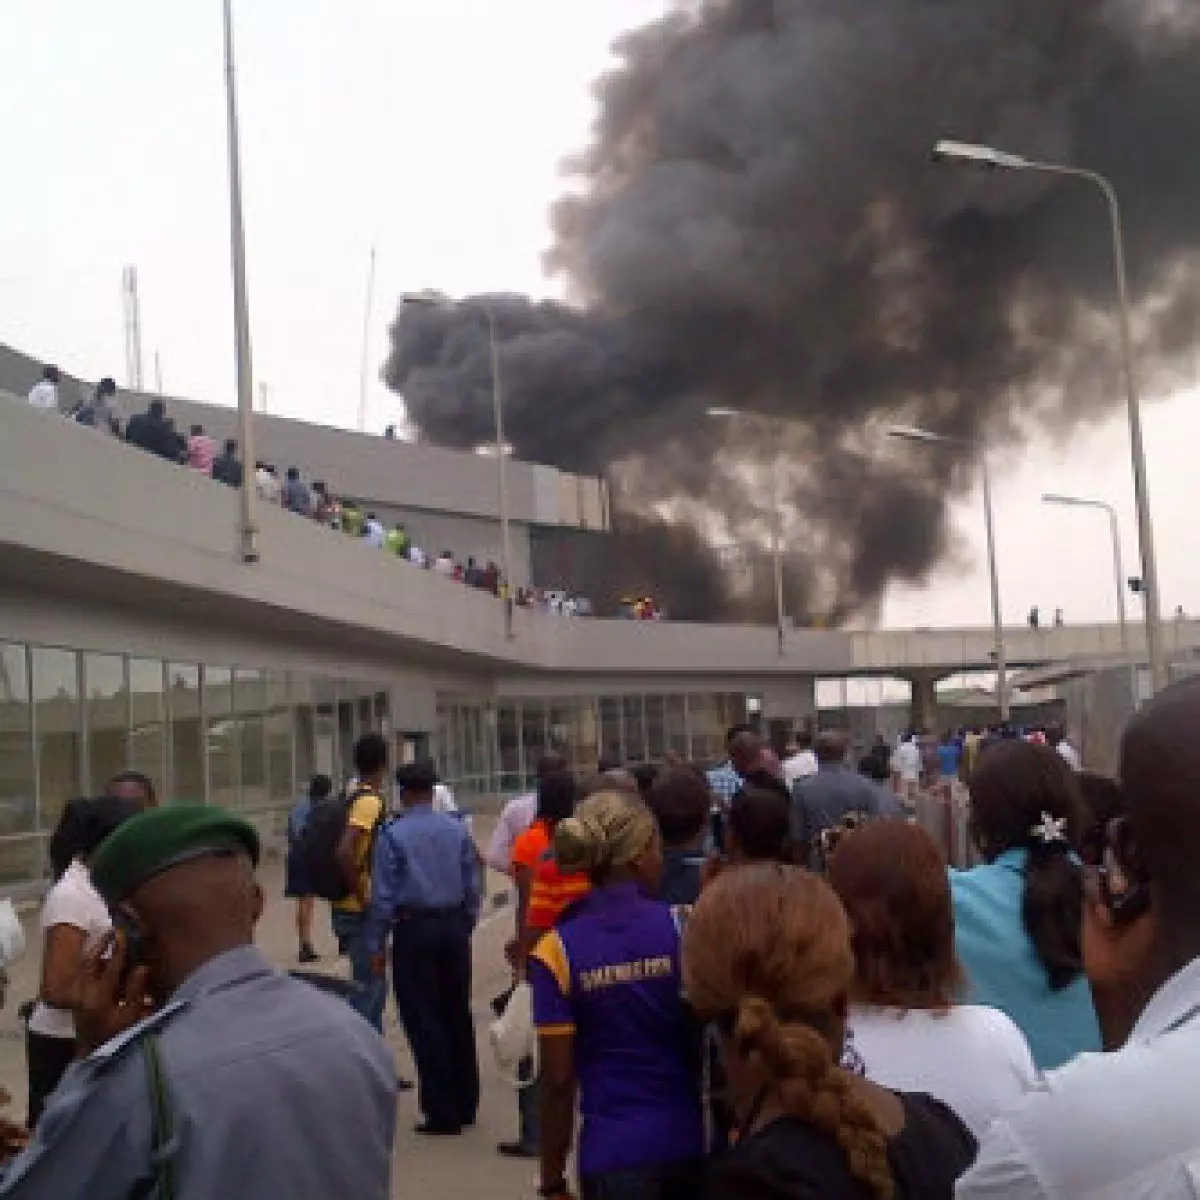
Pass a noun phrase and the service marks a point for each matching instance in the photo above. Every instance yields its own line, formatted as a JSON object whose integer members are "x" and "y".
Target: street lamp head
{"x": 982, "y": 156}
{"x": 908, "y": 434}
{"x": 426, "y": 299}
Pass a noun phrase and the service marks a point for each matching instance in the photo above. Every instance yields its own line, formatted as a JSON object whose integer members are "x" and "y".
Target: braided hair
{"x": 767, "y": 954}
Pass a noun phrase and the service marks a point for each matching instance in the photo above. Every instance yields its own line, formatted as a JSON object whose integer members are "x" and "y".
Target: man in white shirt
{"x": 906, "y": 766}
{"x": 444, "y": 563}
{"x": 1067, "y": 752}
{"x": 266, "y": 483}
{"x": 801, "y": 764}
{"x": 1123, "y": 1124}
{"x": 374, "y": 533}
{"x": 517, "y": 817}
{"x": 44, "y": 393}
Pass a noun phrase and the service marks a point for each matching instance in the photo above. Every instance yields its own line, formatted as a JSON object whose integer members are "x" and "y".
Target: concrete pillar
{"x": 924, "y": 710}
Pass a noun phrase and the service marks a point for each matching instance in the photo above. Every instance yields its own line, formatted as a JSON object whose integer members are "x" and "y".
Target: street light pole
{"x": 998, "y": 649}
{"x": 989, "y": 521}
{"x": 501, "y": 472}
{"x": 433, "y": 300}
{"x": 241, "y": 305}
{"x": 988, "y": 156}
{"x": 722, "y": 413}
{"x": 1115, "y": 533}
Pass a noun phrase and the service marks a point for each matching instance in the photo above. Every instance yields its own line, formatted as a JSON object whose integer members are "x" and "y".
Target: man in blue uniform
{"x": 425, "y": 890}
{"x": 206, "y": 1072}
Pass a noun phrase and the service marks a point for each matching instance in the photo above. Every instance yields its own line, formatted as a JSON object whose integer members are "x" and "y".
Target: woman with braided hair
{"x": 767, "y": 957}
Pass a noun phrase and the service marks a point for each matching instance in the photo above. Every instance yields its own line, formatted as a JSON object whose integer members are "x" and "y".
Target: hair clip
{"x": 1051, "y": 831}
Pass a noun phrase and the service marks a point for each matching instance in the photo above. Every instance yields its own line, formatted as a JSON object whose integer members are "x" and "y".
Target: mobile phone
{"x": 124, "y": 923}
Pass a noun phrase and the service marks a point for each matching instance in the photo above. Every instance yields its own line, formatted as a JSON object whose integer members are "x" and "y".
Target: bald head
{"x": 745, "y": 751}
{"x": 1160, "y": 777}
{"x": 832, "y": 745}
{"x": 190, "y": 913}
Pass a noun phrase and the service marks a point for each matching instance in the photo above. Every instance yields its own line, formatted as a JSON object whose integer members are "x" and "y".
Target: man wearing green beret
{"x": 203, "y": 1071}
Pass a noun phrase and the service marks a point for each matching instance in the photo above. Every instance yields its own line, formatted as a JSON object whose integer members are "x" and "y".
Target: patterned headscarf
{"x": 609, "y": 830}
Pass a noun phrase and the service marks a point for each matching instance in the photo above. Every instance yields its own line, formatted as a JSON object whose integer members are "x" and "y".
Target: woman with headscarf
{"x": 73, "y": 919}
{"x": 767, "y": 957}
{"x": 1018, "y": 917}
{"x": 612, "y": 1024}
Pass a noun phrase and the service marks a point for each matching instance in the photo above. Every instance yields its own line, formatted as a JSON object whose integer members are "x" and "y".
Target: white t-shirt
{"x": 799, "y": 766}
{"x": 44, "y": 395}
{"x": 972, "y": 1058}
{"x": 71, "y": 901}
{"x": 906, "y": 762}
{"x": 1069, "y": 755}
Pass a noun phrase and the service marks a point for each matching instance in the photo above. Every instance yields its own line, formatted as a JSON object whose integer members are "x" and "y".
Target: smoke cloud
{"x": 757, "y": 225}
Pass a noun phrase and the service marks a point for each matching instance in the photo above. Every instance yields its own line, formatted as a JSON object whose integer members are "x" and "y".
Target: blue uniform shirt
{"x": 274, "y": 1088}
{"x": 424, "y": 859}
{"x": 1003, "y": 969}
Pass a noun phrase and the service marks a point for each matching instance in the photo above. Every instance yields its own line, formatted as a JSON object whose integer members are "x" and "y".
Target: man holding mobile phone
{"x": 194, "y": 1053}
{"x": 1124, "y": 1123}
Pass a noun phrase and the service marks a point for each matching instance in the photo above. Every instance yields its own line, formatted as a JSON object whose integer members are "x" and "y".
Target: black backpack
{"x": 318, "y": 844}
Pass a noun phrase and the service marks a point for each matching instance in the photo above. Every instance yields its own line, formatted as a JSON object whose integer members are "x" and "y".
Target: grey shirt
{"x": 276, "y": 1090}
{"x": 820, "y": 801}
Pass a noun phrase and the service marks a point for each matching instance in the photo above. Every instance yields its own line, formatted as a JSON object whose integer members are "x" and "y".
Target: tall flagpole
{"x": 248, "y": 532}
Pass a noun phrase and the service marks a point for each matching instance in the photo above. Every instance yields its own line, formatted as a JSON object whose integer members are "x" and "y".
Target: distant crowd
{"x": 155, "y": 432}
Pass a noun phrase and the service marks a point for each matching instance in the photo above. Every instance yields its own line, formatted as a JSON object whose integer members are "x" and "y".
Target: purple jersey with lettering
{"x": 609, "y": 973}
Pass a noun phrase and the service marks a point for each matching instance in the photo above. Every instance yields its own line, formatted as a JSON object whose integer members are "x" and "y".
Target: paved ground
{"x": 446, "y": 1169}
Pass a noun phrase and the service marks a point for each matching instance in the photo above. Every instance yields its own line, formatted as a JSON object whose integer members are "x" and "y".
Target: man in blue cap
{"x": 204, "y": 1071}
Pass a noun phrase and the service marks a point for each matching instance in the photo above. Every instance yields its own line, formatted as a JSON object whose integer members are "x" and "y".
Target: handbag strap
{"x": 162, "y": 1129}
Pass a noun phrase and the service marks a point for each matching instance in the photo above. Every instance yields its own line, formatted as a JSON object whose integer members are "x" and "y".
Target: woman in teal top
{"x": 1017, "y": 918}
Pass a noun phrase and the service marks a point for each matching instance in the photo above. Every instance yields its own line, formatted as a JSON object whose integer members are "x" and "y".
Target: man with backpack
{"x": 335, "y": 852}
{"x": 297, "y": 884}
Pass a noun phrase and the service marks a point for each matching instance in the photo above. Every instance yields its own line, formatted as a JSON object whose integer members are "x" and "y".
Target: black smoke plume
{"x": 758, "y": 225}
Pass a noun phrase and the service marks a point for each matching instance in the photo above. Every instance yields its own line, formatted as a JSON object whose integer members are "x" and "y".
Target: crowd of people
{"x": 155, "y": 432}
{"x": 735, "y": 988}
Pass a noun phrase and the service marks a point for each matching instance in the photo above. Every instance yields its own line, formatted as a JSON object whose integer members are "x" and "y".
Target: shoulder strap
{"x": 162, "y": 1125}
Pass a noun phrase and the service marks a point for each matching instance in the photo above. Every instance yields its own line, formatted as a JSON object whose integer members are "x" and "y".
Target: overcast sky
{"x": 433, "y": 130}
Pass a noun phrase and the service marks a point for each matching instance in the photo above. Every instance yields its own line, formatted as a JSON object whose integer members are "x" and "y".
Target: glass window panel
{"x": 635, "y": 730}
{"x": 533, "y": 736}
{"x": 107, "y": 711}
{"x": 185, "y": 741}
{"x": 17, "y": 788}
{"x": 57, "y": 727}
{"x": 345, "y": 739}
{"x": 656, "y": 734}
{"x": 21, "y": 860}
{"x": 221, "y": 743}
{"x": 443, "y": 752}
{"x": 587, "y": 742}
{"x": 612, "y": 743}
{"x": 325, "y": 755}
{"x": 147, "y": 726}
{"x": 248, "y": 695}
{"x": 508, "y": 740}
{"x": 676, "y": 725}
{"x": 280, "y": 727}
{"x": 704, "y": 717}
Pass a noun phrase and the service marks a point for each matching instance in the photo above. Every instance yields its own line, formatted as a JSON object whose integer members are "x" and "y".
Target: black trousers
{"x": 673, "y": 1181}
{"x": 431, "y": 974}
{"x": 47, "y": 1060}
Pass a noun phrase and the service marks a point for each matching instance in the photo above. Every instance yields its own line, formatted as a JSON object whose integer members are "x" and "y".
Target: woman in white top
{"x": 73, "y": 918}
{"x": 905, "y": 1031}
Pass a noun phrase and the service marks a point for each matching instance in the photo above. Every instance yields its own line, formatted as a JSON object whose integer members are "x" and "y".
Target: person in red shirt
{"x": 543, "y": 894}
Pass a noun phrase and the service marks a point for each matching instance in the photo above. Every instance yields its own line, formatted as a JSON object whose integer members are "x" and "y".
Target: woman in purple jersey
{"x": 612, "y": 1024}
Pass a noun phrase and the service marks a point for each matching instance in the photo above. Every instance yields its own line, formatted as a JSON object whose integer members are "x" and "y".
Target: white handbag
{"x": 512, "y": 1034}
{"x": 12, "y": 936}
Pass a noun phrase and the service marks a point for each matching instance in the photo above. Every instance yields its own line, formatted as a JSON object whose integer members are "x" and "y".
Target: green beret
{"x": 161, "y": 838}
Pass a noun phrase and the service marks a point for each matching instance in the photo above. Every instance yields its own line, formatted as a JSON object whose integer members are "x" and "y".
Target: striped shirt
{"x": 723, "y": 781}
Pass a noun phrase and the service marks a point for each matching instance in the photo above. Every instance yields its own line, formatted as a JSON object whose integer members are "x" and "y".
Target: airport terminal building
{"x": 132, "y": 634}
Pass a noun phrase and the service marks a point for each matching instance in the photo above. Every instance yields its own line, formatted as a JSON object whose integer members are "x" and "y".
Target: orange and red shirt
{"x": 551, "y": 890}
